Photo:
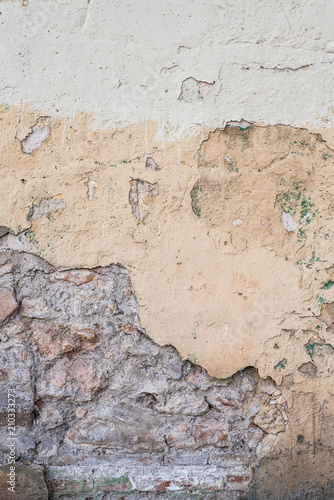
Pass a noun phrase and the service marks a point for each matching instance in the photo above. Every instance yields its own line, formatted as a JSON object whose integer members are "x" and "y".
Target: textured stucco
{"x": 191, "y": 143}
{"x": 216, "y": 270}
{"x": 268, "y": 61}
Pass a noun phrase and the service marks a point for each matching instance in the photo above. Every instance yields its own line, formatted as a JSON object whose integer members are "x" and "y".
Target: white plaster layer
{"x": 267, "y": 62}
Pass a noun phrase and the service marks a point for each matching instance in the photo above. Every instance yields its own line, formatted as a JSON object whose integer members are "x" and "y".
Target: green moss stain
{"x": 100, "y": 164}
{"x": 306, "y": 208}
{"x": 192, "y": 358}
{"x": 301, "y": 234}
{"x": 244, "y": 137}
{"x": 315, "y": 349}
{"x": 297, "y": 146}
{"x": 122, "y": 483}
{"x": 195, "y": 330}
{"x": 328, "y": 285}
{"x": 326, "y": 156}
{"x": 320, "y": 300}
{"x": 288, "y": 201}
{"x": 32, "y": 238}
{"x": 309, "y": 264}
{"x": 232, "y": 168}
{"x": 196, "y": 199}
{"x": 281, "y": 365}
{"x": 307, "y": 215}
{"x": 310, "y": 349}
{"x": 293, "y": 201}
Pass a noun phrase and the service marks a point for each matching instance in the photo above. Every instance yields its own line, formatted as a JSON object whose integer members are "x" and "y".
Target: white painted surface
{"x": 125, "y": 60}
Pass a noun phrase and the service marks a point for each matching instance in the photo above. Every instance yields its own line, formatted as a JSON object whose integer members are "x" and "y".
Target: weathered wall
{"x": 184, "y": 150}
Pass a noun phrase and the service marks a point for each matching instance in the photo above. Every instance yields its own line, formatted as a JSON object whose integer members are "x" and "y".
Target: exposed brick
{"x": 238, "y": 482}
{"x": 113, "y": 485}
{"x": 76, "y": 277}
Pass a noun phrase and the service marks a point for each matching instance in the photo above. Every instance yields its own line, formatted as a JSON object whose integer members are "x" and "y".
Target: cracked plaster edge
{"x": 176, "y": 132}
{"x": 270, "y": 440}
{"x": 12, "y": 242}
{"x": 19, "y": 242}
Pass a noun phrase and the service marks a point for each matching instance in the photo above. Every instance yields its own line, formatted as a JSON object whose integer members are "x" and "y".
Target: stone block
{"x": 68, "y": 378}
{"x": 212, "y": 432}
{"x": 8, "y": 304}
{"x": 131, "y": 429}
{"x": 29, "y": 483}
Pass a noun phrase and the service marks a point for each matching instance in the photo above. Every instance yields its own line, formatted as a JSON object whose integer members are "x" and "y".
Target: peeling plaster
{"x": 289, "y": 223}
{"x": 47, "y": 206}
{"x": 150, "y": 164}
{"x": 39, "y": 133}
{"x": 91, "y": 186}
{"x": 211, "y": 182}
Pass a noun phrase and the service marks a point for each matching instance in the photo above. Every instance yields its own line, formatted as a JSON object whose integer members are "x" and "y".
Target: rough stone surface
{"x": 93, "y": 390}
{"x": 120, "y": 431}
{"x": 8, "y": 303}
{"x": 194, "y": 268}
{"x": 30, "y": 483}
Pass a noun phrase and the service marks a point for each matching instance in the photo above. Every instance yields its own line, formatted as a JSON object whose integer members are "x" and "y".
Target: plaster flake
{"x": 150, "y": 164}
{"x": 237, "y": 222}
{"x": 47, "y": 206}
{"x": 91, "y": 186}
{"x": 140, "y": 193}
{"x": 193, "y": 90}
{"x": 288, "y": 221}
{"x": 38, "y": 134}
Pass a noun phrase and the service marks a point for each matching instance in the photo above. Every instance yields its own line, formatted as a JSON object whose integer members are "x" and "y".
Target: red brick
{"x": 238, "y": 482}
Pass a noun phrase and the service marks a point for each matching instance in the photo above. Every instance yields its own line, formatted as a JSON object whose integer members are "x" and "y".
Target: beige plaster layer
{"x": 215, "y": 272}
{"x": 222, "y": 292}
